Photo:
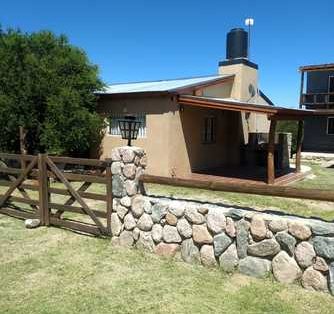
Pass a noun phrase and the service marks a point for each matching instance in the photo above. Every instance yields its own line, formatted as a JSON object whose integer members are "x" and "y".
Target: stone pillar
{"x": 128, "y": 164}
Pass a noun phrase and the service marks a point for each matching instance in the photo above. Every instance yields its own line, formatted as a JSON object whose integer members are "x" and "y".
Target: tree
{"x": 47, "y": 86}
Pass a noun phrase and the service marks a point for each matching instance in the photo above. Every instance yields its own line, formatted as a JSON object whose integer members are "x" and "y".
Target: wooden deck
{"x": 248, "y": 175}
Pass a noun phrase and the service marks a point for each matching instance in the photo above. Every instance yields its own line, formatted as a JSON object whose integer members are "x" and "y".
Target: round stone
{"x": 115, "y": 224}
{"x": 254, "y": 266}
{"x": 125, "y": 201}
{"x": 159, "y": 212}
{"x": 171, "y": 219}
{"x": 126, "y": 239}
{"x": 314, "y": 280}
{"x": 190, "y": 252}
{"x": 230, "y": 228}
{"x": 167, "y": 249}
{"x": 177, "y": 208}
{"x": 171, "y": 235}
{"x": 193, "y": 215}
{"x": 299, "y": 231}
{"x": 145, "y": 222}
{"x": 184, "y": 228}
{"x": 304, "y": 254}
{"x": 145, "y": 241}
{"x": 228, "y": 261}
{"x": 258, "y": 227}
{"x": 129, "y": 171}
{"x": 129, "y": 222}
{"x": 320, "y": 264}
{"x": 216, "y": 220}
{"x": 278, "y": 225}
{"x": 139, "y": 204}
{"x": 201, "y": 234}
{"x": 208, "y": 256}
{"x": 116, "y": 168}
{"x": 324, "y": 247}
{"x": 286, "y": 241}
{"x": 121, "y": 211}
{"x": 131, "y": 187}
{"x": 268, "y": 247}
{"x": 285, "y": 268}
{"x": 221, "y": 242}
{"x": 157, "y": 233}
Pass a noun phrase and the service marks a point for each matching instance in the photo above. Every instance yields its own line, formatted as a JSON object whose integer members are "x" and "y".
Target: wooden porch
{"x": 248, "y": 175}
{"x": 264, "y": 175}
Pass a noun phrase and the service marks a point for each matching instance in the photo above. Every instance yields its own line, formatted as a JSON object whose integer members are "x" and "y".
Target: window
{"x": 330, "y": 126}
{"x": 209, "y": 131}
{"x": 113, "y": 127}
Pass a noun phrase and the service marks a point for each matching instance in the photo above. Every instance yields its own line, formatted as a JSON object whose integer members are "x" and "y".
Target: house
{"x": 216, "y": 125}
{"x": 318, "y": 95}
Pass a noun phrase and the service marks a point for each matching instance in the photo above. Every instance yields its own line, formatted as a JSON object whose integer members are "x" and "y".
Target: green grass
{"x": 49, "y": 270}
{"x": 322, "y": 178}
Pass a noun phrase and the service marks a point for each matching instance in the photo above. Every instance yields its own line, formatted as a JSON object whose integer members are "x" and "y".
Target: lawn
{"x": 49, "y": 270}
{"x": 321, "y": 178}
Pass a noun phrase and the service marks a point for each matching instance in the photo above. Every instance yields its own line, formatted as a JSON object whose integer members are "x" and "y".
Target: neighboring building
{"x": 318, "y": 95}
{"x": 198, "y": 124}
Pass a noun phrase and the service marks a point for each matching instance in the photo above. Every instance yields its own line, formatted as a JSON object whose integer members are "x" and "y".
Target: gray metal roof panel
{"x": 159, "y": 86}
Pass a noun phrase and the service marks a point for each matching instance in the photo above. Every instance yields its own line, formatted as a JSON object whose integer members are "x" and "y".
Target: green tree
{"x": 289, "y": 127}
{"x": 47, "y": 86}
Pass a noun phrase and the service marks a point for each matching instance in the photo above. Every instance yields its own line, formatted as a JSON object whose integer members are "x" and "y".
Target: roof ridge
{"x": 164, "y": 80}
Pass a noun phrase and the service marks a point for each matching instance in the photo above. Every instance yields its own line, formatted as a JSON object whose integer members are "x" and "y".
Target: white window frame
{"x": 329, "y": 118}
{"x": 116, "y": 132}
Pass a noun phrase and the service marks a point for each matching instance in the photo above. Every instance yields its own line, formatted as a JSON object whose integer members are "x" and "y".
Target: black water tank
{"x": 236, "y": 44}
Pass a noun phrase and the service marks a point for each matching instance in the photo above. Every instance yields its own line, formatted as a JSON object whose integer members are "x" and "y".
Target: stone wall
{"x": 234, "y": 239}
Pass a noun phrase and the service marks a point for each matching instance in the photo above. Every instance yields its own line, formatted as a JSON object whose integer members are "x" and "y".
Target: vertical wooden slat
{"x": 271, "y": 153}
{"x": 44, "y": 195}
{"x": 301, "y": 90}
{"x": 109, "y": 197}
{"x": 300, "y": 136}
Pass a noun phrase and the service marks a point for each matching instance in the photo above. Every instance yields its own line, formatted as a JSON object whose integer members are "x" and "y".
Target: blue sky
{"x": 152, "y": 39}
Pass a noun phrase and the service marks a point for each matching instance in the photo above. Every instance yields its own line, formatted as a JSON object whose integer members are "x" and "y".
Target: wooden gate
{"x": 56, "y": 189}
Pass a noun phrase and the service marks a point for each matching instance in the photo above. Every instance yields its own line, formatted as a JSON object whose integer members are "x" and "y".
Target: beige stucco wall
{"x": 187, "y": 151}
{"x": 156, "y": 142}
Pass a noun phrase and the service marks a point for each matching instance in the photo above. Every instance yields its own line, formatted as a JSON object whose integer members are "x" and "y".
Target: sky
{"x": 152, "y": 39}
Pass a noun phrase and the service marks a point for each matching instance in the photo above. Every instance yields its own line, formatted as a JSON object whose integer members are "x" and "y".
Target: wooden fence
{"x": 257, "y": 189}
{"x": 30, "y": 176}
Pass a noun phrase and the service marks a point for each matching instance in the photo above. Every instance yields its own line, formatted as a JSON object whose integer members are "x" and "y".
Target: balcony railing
{"x": 318, "y": 100}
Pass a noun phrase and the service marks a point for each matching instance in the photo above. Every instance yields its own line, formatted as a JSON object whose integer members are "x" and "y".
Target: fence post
{"x": 43, "y": 184}
{"x": 109, "y": 196}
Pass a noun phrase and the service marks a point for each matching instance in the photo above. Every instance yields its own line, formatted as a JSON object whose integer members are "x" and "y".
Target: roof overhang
{"x": 317, "y": 67}
{"x": 273, "y": 113}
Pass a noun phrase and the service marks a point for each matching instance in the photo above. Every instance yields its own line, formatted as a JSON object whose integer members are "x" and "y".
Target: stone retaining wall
{"x": 232, "y": 238}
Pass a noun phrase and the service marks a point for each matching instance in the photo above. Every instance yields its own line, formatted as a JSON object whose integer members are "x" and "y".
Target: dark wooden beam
{"x": 300, "y": 136}
{"x": 301, "y": 90}
{"x": 271, "y": 153}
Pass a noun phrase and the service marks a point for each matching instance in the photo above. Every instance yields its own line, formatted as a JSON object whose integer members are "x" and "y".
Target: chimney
{"x": 245, "y": 86}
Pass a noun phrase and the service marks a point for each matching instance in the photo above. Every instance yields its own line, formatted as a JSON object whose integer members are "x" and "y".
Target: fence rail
{"x": 257, "y": 189}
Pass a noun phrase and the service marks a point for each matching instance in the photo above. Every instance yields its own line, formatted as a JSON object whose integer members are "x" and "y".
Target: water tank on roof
{"x": 236, "y": 44}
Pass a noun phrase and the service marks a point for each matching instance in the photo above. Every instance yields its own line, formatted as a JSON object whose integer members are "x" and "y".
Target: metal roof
{"x": 160, "y": 86}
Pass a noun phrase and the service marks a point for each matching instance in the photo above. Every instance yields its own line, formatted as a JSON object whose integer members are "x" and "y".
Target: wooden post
{"x": 271, "y": 153}
{"x": 300, "y": 136}
{"x": 109, "y": 197}
{"x": 23, "y": 148}
{"x": 43, "y": 184}
{"x": 301, "y": 90}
